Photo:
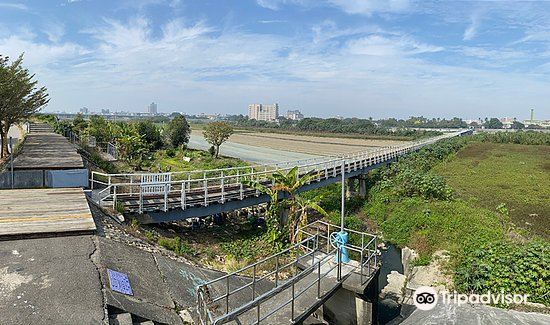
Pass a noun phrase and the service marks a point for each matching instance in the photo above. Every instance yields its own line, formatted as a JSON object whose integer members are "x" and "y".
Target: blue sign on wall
{"x": 119, "y": 282}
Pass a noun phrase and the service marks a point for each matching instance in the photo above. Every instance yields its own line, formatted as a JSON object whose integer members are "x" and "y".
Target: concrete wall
{"x": 67, "y": 178}
{"x": 22, "y": 179}
{"x": 45, "y": 178}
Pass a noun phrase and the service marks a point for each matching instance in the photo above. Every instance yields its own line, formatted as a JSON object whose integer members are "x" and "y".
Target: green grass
{"x": 171, "y": 160}
{"x": 427, "y": 226}
{"x": 200, "y": 160}
{"x": 488, "y": 174}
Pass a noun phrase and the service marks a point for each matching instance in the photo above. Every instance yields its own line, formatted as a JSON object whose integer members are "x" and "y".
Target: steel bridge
{"x": 289, "y": 286}
{"x": 173, "y": 196}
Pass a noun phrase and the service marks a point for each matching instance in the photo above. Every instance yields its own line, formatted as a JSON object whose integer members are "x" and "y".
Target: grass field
{"x": 488, "y": 174}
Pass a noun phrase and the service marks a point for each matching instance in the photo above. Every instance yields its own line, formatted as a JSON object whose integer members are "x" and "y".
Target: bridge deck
{"x": 47, "y": 151}
{"x": 41, "y": 211}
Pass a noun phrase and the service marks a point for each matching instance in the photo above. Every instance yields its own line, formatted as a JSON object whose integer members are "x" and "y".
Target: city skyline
{"x": 360, "y": 58}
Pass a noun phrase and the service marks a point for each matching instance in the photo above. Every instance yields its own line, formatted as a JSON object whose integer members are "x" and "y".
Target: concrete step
{"x": 121, "y": 319}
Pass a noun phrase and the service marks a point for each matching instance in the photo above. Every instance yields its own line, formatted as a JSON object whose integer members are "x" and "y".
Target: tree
{"x": 99, "y": 129}
{"x": 131, "y": 146}
{"x": 150, "y": 133}
{"x": 178, "y": 131}
{"x": 20, "y": 96}
{"x": 518, "y": 125}
{"x": 289, "y": 183}
{"x": 493, "y": 123}
{"x": 79, "y": 124}
{"x": 217, "y": 133}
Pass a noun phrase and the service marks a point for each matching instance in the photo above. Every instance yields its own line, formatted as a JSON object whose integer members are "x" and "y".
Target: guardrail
{"x": 299, "y": 268}
{"x": 203, "y": 187}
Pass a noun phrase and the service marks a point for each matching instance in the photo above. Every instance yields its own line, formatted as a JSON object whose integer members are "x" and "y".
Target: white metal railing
{"x": 204, "y": 187}
{"x": 299, "y": 268}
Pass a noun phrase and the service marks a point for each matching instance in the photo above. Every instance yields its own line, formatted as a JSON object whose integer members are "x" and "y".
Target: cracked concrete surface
{"x": 50, "y": 281}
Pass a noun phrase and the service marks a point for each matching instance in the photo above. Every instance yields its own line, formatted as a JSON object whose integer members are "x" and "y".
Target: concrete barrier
{"x": 44, "y": 178}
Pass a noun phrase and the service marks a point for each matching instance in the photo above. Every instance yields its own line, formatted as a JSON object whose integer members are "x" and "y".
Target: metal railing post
{"x": 166, "y": 190}
{"x": 183, "y": 195}
{"x": 114, "y": 197}
{"x": 222, "y": 185}
{"x": 227, "y": 296}
{"x": 140, "y": 199}
{"x": 205, "y": 184}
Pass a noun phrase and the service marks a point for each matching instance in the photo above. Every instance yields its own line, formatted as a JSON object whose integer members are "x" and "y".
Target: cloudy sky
{"x": 362, "y": 58}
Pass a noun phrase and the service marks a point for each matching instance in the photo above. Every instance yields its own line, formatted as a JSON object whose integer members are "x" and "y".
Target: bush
{"x": 176, "y": 245}
{"x": 508, "y": 267}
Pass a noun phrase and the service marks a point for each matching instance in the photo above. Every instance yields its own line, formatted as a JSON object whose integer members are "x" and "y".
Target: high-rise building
{"x": 84, "y": 110}
{"x": 295, "y": 115}
{"x": 263, "y": 112}
{"x": 152, "y": 108}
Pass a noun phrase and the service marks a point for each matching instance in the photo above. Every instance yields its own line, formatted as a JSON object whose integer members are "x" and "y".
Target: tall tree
{"x": 217, "y": 133}
{"x": 178, "y": 131}
{"x": 150, "y": 133}
{"x": 20, "y": 96}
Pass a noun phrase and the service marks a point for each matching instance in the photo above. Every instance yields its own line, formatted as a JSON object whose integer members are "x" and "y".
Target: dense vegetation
{"x": 141, "y": 144}
{"x": 414, "y": 203}
{"x": 333, "y": 125}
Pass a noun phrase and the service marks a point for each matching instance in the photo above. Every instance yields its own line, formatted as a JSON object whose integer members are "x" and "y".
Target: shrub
{"x": 508, "y": 267}
{"x": 176, "y": 245}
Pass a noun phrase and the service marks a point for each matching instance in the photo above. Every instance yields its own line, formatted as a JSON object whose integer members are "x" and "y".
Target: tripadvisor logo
{"x": 425, "y": 298}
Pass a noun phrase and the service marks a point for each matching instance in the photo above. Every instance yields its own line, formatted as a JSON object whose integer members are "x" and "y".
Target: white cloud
{"x": 9, "y": 5}
{"x": 367, "y": 7}
{"x": 471, "y": 31}
{"x": 377, "y": 45}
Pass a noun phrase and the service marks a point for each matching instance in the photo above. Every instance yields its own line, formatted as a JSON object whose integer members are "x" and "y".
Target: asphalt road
{"x": 249, "y": 153}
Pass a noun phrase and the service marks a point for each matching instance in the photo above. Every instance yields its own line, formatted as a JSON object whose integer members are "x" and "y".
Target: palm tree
{"x": 290, "y": 184}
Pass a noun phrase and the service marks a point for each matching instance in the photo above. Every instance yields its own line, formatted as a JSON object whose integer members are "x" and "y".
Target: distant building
{"x": 152, "y": 109}
{"x": 263, "y": 112}
{"x": 533, "y": 122}
{"x": 84, "y": 110}
{"x": 507, "y": 122}
{"x": 105, "y": 111}
{"x": 295, "y": 115}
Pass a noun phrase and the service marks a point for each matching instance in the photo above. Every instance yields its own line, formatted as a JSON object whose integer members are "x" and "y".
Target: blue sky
{"x": 378, "y": 58}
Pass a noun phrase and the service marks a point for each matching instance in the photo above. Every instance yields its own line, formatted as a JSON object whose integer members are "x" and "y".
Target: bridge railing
{"x": 204, "y": 187}
{"x": 305, "y": 265}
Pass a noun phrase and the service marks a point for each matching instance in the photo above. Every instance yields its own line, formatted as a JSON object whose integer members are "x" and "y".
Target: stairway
{"x": 40, "y": 128}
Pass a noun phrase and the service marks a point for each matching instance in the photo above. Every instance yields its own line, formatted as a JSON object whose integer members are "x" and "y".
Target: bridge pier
{"x": 357, "y": 186}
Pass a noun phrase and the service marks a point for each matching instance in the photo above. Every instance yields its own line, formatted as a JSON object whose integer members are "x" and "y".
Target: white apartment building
{"x": 263, "y": 112}
{"x": 295, "y": 115}
{"x": 152, "y": 108}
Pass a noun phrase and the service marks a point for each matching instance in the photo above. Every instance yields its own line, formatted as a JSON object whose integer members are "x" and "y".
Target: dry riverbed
{"x": 307, "y": 144}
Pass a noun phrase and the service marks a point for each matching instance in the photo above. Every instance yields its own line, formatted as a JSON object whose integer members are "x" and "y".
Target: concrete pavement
{"x": 50, "y": 281}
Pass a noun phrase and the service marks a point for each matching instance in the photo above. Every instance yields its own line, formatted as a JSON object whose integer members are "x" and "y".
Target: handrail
{"x": 220, "y": 185}
{"x": 214, "y": 298}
